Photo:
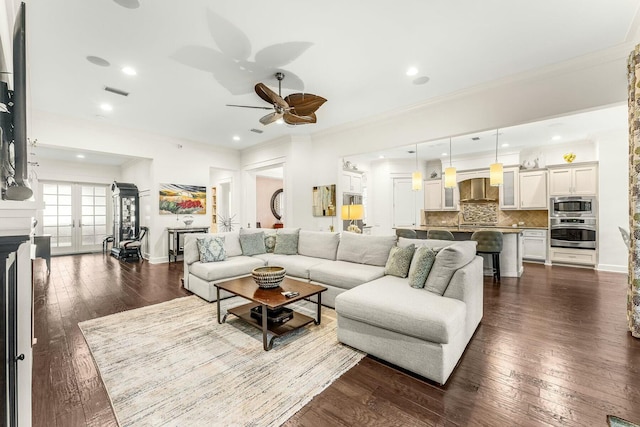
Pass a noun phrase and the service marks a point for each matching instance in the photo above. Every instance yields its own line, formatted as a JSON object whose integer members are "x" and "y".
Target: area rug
{"x": 173, "y": 364}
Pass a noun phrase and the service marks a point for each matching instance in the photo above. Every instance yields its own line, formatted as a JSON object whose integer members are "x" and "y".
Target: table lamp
{"x": 352, "y": 213}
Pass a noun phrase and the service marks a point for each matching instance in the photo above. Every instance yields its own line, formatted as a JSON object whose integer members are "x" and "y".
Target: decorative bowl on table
{"x": 188, "y": 220}
{"x": 268, "y": 277}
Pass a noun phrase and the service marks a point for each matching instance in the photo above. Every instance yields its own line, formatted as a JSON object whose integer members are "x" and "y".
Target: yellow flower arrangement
{"x": 569, "y": 157}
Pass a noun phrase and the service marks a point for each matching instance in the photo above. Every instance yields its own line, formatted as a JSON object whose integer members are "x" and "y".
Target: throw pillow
{"x": 252, "y": 243}
{"x": 270, "y": 242}
{"x": 399, "y": 261}
{"x": 211, "y": 249}
{"x": 421, "y": 264}
{"x": 287, "y": 243}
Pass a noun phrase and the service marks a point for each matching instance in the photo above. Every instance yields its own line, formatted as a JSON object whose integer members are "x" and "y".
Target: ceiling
{"x": 194, "y": 57}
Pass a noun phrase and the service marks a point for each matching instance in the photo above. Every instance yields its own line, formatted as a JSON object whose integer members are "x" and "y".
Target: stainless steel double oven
{"x": 573, "y": 222}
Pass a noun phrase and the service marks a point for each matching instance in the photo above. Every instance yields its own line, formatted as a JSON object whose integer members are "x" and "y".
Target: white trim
{"x": 613, "y": 268}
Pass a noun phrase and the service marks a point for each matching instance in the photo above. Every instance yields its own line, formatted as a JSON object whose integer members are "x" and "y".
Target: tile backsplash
{"x": 532, "y": 218}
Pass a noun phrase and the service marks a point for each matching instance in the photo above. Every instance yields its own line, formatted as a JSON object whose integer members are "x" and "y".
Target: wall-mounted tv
{"x": 13, "y": 144}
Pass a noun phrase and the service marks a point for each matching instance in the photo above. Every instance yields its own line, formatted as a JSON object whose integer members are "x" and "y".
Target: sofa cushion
{"x": 231, "y": 242}
{"x": 231, "y": 267}
{"x": 344, "y": 275}
{"x": 296, "y": 265}
{"x": 318, "y": 244}
{"x": 190, "y": 251}
{"x": 287, "y": 241}
{"x": 252, "y": 242}
{"x": 365, "y": 249}
{"x": 399, "y": 261}
{"x": 403, "y": 242}
{"x": 390, "y": 304}
{"x": 421, "y": 265}
{"x": 211, "y": 248}
{"x": 448, "y": 260}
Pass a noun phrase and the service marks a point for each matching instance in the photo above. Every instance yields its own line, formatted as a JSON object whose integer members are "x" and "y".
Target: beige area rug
{"x": 173, "y": 364}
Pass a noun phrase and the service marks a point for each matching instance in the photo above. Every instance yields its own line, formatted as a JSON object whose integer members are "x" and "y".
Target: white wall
{"x": 172, "y": 160}
{"x": 613, "y": 201}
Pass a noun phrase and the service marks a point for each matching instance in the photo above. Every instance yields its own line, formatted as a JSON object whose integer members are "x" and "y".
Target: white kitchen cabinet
{"x": 509, "y": 194}
{"x": 450, "y": 198}
{"x": 572, "y": 256}
{"x": 574, "y": 180}
{"x": 433, "y": 195}
{"x": 535, "y": 244}
{"x": 533, "y": 189}
{"x": 351, "y": 182}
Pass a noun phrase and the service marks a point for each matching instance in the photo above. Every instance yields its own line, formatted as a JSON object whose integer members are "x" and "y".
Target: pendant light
{"x": 450, "y": 172}
{"x": 416, "y": 177}
{"x": 495, "y": 170}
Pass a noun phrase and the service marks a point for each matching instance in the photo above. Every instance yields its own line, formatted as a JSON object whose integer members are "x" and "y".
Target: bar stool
{"x": 490, "y": 242}
{"x": 440, "y": 235}
{"x": 406, "y": 233}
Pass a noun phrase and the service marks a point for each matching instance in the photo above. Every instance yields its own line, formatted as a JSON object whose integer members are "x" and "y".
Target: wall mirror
{"x": 324, "y": 200}
{"x": 276, "y": 204}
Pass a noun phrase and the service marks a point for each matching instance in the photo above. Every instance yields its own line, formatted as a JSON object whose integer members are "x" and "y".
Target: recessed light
{"x": 80, "y": 156}
{"x": 444, "y": 154}
{"x": 106, "y": 107}
{"x": 236, "y": 138}
{"x": 279, "y": 121}
{"x": 556, "y": 138}
{"x": 412, "y": 71}
{"x": 381, "y": 156}
{"x": 129, "y": 71}
{"x": 506, "y": 144}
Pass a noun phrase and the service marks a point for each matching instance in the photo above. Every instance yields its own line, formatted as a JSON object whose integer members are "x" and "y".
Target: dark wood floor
{"x": 552, "y": 349}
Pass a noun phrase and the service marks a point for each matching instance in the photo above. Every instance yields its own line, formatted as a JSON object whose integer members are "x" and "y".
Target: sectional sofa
{"x": 422, "y": 330}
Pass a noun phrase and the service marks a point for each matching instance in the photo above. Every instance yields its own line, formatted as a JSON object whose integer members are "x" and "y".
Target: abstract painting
{"x": 178, "y": 199}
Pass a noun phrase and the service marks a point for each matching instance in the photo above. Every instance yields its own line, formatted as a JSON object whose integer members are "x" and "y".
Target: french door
{"x": 76, "y": 216}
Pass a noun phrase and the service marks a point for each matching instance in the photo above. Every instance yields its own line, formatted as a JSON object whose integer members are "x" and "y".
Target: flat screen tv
{"x": 17, "y": 188}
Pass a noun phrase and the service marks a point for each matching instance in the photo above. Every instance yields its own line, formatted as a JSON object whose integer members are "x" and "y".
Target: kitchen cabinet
{"x": 533, "y": 189}
{"x": 450, "y": 198}
{"x": 509, "y": 194}
{"x": 433, "y": 195}
{"x": 575, "y": 180}
{"x": 351, "y": 182}
{"x": 535, "y": 245}
{"x": 572, "y": 256}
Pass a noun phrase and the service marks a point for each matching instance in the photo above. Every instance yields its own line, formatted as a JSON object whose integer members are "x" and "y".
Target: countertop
{"x": 472, "y": 228}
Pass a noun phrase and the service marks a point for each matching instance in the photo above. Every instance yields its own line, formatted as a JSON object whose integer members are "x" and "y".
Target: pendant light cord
{"x": 450, "y": 152}
{"x": 497, "y": 145}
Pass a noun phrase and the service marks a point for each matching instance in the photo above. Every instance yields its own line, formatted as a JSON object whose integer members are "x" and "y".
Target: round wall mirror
{"x": 276, "y": 204}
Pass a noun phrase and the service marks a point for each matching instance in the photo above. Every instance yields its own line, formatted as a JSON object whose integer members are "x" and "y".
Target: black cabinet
{"x": 126, "y": 217}
{"x": 9, "y": 329}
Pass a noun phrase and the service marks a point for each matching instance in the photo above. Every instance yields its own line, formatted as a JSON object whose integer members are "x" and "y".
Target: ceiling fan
{"x": 294, "y": 109}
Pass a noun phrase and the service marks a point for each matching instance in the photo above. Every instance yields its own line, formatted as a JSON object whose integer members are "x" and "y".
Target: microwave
{"x": 573, "y": 206}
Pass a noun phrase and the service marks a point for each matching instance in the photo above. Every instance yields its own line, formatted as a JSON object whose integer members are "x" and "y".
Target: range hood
{"x": 479, "y": 191}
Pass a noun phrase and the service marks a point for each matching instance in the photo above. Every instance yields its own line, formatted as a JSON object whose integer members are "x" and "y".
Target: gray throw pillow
{"x": 286, "y": 243}
{"x": 270, "y": 242}
{"x": 421, "y": 264}
{"x": 399, "y": 261}
{"x": 448, "y": 260}
{"x": 252, "y": 243}
{"x": 211, "y": 249}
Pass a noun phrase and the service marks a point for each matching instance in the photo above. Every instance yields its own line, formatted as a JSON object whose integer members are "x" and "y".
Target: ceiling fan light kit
{"x": 294, "y": 109}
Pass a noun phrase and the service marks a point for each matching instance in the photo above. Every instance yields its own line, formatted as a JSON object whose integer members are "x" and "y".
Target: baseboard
{"x": 158, "y": 260}
{"x": 614, "y": 268}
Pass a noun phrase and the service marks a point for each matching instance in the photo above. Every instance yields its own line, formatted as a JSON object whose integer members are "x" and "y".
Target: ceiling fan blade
{"x": 270, "y": 96}
{"x": 249, "y": 106}
{"x": 303, "y": 104}
{"x": 292, "y": 119}
{"x": 270, "y": 118}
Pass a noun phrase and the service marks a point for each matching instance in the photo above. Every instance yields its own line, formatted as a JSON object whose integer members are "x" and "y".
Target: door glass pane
{"x": 64, "y": 189}
{"x": 94, "y": 212}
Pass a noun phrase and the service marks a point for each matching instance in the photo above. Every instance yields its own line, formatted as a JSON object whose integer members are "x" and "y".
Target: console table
{"x": 175, "y": 242}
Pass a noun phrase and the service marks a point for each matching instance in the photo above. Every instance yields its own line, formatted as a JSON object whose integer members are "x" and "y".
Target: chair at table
{"x": 406, "y": 233}
{"x": 490, "y": 242}
{"x": 440, "y": 235}
{"x": 130, "y": 249}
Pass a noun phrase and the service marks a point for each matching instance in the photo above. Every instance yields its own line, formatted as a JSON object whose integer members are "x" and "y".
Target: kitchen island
{"x": 512, "y": 250}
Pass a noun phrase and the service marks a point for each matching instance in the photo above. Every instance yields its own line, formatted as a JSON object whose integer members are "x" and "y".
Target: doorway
{"x": 75, "y": 215}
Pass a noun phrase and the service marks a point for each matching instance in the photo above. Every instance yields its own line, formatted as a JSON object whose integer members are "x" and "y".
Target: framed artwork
{"x": 176, "y": 199}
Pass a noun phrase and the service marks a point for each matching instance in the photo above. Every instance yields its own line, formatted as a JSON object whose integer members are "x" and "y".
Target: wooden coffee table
{"x": 246, "y": 287}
